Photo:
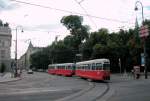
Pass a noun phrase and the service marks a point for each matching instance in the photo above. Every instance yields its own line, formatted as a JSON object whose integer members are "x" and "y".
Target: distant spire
{"x": 30, "y": 44}
{"x": 136, "y": 24}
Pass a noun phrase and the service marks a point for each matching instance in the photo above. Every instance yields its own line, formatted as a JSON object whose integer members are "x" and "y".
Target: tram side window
{"x": 82, "y": 67}
{"x": 87, "y": 66}
{"x": 98, "y": 66}
{"x": 93, "y": 66}
{"x": 79, "y": 67}
{"x": 59, "y": 67}
{"x": 63, "y": 67}
{"x": 68, "y": 67}
{"x": 73, "y": 67}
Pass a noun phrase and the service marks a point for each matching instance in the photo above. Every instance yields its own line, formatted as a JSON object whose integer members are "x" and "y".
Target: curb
{"x": 11, "y": 80}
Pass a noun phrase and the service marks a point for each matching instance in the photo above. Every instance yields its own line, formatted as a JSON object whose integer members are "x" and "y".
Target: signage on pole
{"x": 142, "y": 59}
{"x": 79, "y": 55}
{"x": 144, "y": 32}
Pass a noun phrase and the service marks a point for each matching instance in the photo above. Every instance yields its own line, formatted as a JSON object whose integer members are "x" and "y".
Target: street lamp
{"x": 136, "y": 8}
{"x": 16, "y": 61}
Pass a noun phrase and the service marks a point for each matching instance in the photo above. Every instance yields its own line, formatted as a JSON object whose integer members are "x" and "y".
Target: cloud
{"x": 47, "y": 26}
{"x": 7, "y": 5}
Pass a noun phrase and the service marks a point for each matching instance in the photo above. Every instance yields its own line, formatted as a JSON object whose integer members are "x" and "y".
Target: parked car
{"x": 30, "y": 71}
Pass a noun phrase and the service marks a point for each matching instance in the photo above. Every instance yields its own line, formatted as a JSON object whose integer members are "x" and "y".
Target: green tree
{"x": 39, "y": 60}
{"x": 147, "y": 44}
{"x": 6, "y": 25}
{"x": 60, "y": 53}
{"x": 1, "y": 23}
{"x": 78, "y": 31}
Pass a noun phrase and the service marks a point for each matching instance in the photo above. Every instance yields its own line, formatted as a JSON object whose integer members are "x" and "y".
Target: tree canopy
{"x": 124, "y": 45}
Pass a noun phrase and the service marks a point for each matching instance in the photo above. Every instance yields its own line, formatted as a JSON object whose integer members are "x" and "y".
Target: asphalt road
{"x": 45, "y": 87}
{"x": 40, "y": 96}
{"x": 130, "y": 89}
{"x": 41, "y": 87}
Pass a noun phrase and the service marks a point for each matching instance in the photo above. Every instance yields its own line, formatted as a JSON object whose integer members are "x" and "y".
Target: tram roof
{"x": 93, "y": 61}
{"x": 61, "y": 64}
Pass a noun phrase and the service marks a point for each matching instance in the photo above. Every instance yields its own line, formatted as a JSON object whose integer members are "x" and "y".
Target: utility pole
{"x": 143, "y": 34}
{"x": 16, "y": 60}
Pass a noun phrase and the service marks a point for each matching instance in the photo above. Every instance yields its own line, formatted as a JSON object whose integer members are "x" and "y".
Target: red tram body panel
{"x": 98, "y": 69}
{"x": 65, "y": 69}
{"x": 94, "y": 69}
{"x": 51, "y": 69}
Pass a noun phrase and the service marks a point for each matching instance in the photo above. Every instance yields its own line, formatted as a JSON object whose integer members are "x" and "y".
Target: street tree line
{"x": 124, "y": 45}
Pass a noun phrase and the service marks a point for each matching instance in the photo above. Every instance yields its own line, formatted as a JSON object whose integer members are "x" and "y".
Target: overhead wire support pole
{"x": 16, "y": 52}
{"x": 145, "y": 54}
{"x": 16, "y": 61}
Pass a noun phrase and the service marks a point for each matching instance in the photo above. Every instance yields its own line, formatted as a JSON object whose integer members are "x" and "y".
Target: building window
{"x": 3, "y": 43}
{"x": 3, "y": 53}
{"x": 0, "y": 42}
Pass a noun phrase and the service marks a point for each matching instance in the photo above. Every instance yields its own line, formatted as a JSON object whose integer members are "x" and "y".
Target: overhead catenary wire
{"x": 67, "y": 11}
{"x": 79, "y": 3}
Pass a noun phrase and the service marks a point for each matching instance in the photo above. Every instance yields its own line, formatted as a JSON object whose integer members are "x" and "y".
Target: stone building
{"x": 24, "y": 61}
{"x": 5, "y": 44}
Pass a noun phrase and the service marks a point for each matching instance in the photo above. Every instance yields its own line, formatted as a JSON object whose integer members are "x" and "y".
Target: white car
{"x": 30, "y": 71}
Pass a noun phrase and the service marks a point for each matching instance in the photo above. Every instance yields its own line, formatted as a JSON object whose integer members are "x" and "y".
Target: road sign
{"x": 144, "y": 32}
{"x": 142, "y": 59}
{"x": 79, "y": 55}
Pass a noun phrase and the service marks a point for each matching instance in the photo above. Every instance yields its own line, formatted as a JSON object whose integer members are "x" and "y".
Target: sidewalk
{"x": 124, "y": 87}
{"x": 128, "y": 76}
{"x": 7, "y": 77}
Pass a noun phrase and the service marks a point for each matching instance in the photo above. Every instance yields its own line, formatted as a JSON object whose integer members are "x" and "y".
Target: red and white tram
{"x": 51, "y": 69}
{"x": 66, "y": 69}
{"x": 98, "y": 69}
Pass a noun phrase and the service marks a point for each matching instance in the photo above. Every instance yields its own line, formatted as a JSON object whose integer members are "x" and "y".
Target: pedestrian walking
{"x": 132, "y": 73}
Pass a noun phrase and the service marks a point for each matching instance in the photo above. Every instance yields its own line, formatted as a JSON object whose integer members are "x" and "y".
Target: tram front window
{"x": 106, "y": 66}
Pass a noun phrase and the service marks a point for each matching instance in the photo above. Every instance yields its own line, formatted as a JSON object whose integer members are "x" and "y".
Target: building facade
{"x": 5, "y": 45}
{"x": 24, "y": 61}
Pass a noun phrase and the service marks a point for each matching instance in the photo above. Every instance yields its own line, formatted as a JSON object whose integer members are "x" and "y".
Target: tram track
{"x": 80, "y": 93}
{"x": 98, "y": 98}
{"x": 94, "y": 92}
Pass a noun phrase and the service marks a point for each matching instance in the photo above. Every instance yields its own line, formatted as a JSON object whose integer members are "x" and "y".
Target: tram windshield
{"x": 106, "y": 66}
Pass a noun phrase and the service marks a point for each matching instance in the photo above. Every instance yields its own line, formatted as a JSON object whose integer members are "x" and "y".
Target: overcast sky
{"x": 42, "y": 24}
